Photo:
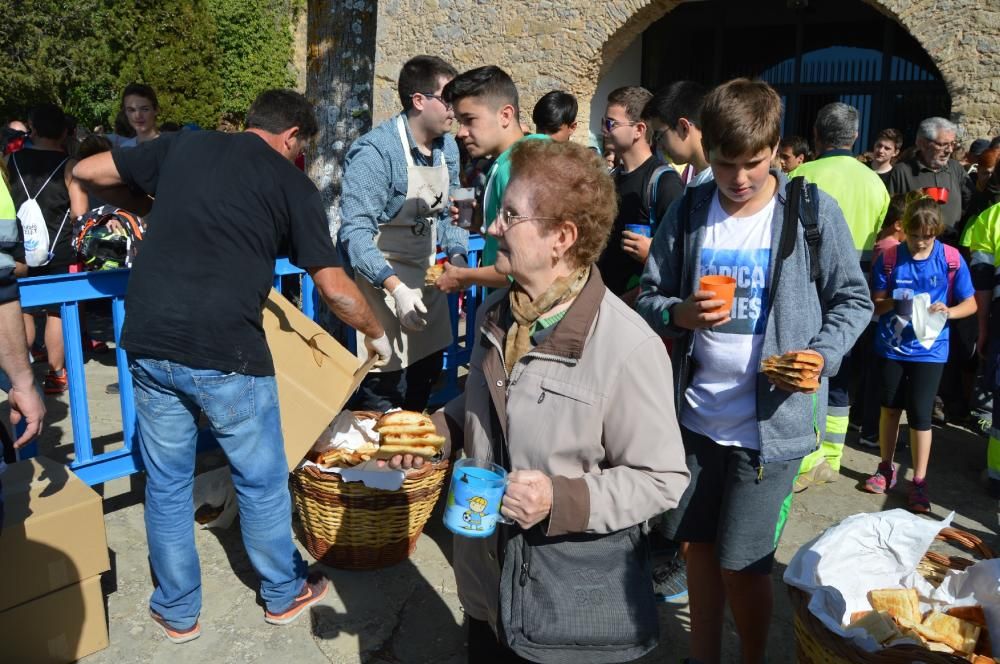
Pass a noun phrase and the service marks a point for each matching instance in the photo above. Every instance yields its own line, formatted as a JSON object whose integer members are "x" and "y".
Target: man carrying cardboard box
{"x": 225, "y": 206}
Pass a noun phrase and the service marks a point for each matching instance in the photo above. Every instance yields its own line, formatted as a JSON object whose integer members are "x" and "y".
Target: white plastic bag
{"x": 215, "y": 499}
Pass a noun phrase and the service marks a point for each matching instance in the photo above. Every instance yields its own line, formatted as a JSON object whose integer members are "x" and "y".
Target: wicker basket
{"x": 350, "y": 526}
{"x": 815, "y": 644}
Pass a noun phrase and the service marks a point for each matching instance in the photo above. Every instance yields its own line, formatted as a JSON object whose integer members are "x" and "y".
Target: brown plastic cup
{"x": 724, "y": 288}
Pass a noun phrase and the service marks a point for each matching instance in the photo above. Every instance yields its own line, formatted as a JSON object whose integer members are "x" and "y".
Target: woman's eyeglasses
{"x": 505, "y": 220}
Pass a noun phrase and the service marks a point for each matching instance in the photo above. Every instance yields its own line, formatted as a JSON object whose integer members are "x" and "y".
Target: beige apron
{"x": 409, "y": 244}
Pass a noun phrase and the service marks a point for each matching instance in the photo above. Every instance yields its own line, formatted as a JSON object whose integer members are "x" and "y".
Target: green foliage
{"x": 255, "y": 41}
{"x": 206, "y": 59}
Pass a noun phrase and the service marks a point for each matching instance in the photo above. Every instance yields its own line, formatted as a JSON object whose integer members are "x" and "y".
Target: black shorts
{"x": 734, "y": 502}
{"x": 911, "y": 385}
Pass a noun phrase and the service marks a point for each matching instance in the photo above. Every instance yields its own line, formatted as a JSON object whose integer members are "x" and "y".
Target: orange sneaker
{"x": 314, "y": 590}
{"x": 56, "y": 383}
{"x": 173, "y": 634}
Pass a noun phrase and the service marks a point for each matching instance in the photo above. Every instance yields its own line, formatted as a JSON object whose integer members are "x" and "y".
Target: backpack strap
{"x": 651, "y": 187}
{"x": 954, "y": 258}
{"x": 889, "y": 260}
{"x": 809, "y": 217}
{"x": 801, "y": 206}
{"x": 13, "y": 159}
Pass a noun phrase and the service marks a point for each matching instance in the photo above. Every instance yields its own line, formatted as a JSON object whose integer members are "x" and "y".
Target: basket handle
{"x": 966, "y": 540}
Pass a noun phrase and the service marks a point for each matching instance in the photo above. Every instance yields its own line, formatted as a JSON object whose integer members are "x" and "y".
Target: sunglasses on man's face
{"x": 610, "y": 125}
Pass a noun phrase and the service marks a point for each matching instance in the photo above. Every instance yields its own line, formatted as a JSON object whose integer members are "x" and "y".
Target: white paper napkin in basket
{"x": 863, "y": 552}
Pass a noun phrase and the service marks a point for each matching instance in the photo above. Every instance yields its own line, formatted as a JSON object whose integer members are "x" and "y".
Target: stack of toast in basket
{"x": 896, "y": 619}
{"x": 796, "y": 368}
{"x": 407, "y": 432}
{"x": 399, "y": 432}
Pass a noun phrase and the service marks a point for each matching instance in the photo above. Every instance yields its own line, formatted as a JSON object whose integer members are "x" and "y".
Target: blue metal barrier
{"x": 69, "y": 290}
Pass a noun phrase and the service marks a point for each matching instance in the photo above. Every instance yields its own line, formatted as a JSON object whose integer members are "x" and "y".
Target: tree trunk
{"x": 340, "y": 71}
{"x": 340, "y": 74}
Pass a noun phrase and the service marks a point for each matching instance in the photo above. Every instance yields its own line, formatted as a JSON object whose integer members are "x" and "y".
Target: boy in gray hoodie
{"x": 744, "y": 434}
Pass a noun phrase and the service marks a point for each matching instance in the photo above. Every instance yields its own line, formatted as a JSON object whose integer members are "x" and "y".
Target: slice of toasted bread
{"x": 790, "y": 374}
{"x": 957, "y": 633}
{"x": 421, "y": 439}
{"x": 432, "y": 274}
{"x": 857, "y": 615}
{"x": 878, "y": 625}
{"x": 389, "y": 451}
{"x": 981, "y": 659}
{"x": 901, "y": 603}
{"x": 414, "y": 429}
{"x": 402, "y": 418}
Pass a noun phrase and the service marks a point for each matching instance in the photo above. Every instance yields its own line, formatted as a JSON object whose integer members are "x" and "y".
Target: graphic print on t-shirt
{"x": 720, "y": 402}
{"x": 749, "y": 268}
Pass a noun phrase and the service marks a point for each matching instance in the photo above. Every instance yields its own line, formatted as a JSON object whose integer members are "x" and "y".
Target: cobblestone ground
{"x": 410, "y": 613}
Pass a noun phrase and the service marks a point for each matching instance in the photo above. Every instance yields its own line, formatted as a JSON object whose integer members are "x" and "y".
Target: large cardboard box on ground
{"x": 315, "y": 374}
{"x": 60, "y": 627}
{"x": 53, "y": 531}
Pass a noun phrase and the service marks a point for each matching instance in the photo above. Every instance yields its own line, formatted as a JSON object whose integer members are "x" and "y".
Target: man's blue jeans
{"x": 243, "y": 413}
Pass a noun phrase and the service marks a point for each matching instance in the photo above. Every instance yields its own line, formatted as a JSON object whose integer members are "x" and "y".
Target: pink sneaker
{"x": 918, "y": 500}
{"x": 883, "y": 479}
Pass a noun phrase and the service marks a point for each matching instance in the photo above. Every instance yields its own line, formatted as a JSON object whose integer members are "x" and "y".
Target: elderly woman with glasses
{"x": 570, "y": 391}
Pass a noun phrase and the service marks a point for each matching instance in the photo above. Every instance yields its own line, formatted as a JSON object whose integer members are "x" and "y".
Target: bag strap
{"x": 954, "y": 259}
{"x": 889, "y": 260}
{"x": 651, "y": 187}
{"x": 809, "y": 216}
{"x": 795, "y": 211}
{"x": 13, "y": 159}
{"x": 58, "y": 233}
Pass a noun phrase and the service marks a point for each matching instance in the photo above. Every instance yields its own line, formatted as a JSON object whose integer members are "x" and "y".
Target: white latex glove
{"x": 410, "y": 308}
{"x": 380, "y": 348}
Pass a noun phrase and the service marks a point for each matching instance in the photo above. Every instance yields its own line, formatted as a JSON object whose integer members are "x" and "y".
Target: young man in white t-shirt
{"x": 743, "y": 435}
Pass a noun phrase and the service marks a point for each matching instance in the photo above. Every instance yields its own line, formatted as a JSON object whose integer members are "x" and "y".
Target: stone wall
{"x": 567, "y": 44}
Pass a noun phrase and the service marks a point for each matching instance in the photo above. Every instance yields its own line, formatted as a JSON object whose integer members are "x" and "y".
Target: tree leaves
{"x": 206, "y": 59}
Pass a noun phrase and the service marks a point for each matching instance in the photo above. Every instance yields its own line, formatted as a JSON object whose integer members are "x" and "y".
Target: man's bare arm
{"x": 100, "y": 177}
{"x": 341, "y": 294}
{"x": 25, "y": 402}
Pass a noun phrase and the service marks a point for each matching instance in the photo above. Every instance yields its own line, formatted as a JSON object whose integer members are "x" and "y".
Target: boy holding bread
{"x": 751, "y": 377}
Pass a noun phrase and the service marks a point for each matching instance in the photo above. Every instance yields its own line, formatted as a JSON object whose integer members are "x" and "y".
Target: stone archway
{"x": 568, "y": 44}
{"x": 962, "y": 38}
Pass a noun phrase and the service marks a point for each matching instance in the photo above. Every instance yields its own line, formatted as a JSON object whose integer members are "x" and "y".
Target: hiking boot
{"x": 315, "y": 589}
{"x": 883, "y": 479}
{"x": 173, "y": 634}
{"x": 56, "y": 383}
{"x": 670, "y": 580}
{"x": 821, "y": 473}
{"x": 918, "y": 500}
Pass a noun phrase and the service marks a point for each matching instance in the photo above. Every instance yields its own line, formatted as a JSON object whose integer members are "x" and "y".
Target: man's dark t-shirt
{"x": 618, "y": 269}
{"x": 226, "y": 205}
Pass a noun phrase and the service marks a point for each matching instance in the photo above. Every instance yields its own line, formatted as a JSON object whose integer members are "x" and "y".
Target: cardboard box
{"x": 62, "y": 626}
{"x": 315, "y": 374}
{"x": 53, "y": 531}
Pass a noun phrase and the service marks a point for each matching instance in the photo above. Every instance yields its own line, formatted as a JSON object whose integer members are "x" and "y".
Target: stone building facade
{"x": 571, "y": 44}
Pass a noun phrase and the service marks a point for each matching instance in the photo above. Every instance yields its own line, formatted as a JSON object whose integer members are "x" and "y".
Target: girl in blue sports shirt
{"x": 910, "y": 369}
